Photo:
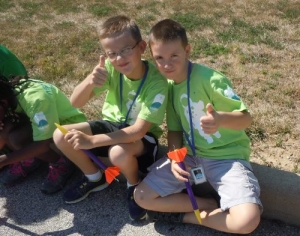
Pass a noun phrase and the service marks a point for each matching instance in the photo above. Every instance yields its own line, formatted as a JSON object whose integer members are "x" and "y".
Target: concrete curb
{"x": 280, "y": 194}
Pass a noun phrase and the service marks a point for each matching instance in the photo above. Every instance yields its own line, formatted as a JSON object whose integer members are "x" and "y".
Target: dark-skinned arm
{"x": 31, "y": 150}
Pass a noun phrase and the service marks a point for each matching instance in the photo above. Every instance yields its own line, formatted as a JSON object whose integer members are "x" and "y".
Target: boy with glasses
{"x": 132, "y": 112}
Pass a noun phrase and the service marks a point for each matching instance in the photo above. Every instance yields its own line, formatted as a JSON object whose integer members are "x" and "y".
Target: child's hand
{"x": 179, "y": 173}
{"x": 210, "y": 122}
{"x": 99, "y": 74}
{"x": 79, "y": 140}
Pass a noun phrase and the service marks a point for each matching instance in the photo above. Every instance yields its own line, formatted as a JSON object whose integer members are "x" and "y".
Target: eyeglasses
{"x": 123, "y": 53}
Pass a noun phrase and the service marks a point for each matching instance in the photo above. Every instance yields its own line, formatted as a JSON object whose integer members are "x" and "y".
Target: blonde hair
{"x": 117, "y": 25}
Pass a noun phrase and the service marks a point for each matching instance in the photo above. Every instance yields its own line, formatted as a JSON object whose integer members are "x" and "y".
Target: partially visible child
{"x": 132, "y": 113}
{"x": 206, "y": 116}
{"x": 10, "y": 65}
{"x": 28, "y": 110}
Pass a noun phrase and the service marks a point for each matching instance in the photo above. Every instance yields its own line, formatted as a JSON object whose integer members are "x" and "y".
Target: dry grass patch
{"x": 255, "y": 43}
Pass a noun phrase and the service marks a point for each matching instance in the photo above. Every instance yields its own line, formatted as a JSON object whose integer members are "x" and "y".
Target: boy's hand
{"x": 179, "y": 173}
{"x": 79, "y": 140}
{"x": 211, "y": 122}
{"x": 99, "y": 74}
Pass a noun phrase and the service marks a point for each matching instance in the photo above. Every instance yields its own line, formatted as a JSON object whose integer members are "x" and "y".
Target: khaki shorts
{"x": 233, "y": 180}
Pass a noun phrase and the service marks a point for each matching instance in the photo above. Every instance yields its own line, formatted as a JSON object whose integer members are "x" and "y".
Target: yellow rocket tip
{"x": 62, "y": 129}
{"x": 197, "y": 214}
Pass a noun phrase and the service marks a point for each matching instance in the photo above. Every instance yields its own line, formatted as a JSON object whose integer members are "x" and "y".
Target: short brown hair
{"x": 168, "y": 30}
{"x": 119, "y": 24}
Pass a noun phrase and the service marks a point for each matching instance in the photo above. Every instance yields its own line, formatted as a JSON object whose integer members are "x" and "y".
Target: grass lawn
{"x": 255, "y": 43}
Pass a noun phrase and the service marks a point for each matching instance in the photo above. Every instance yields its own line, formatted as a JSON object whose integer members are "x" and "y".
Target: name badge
{"x": 198, "y": 175}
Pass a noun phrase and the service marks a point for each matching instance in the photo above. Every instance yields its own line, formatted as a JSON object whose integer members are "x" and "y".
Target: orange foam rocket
{"x": 178, "y": 155}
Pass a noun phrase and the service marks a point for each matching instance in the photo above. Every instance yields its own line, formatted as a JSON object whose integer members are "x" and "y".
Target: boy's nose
{"x": 168, "y": 64}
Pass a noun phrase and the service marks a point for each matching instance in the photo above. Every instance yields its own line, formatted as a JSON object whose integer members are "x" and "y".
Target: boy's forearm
{"x": 82, "y": 94}
{"x": 235, "y": 120}
{"x": 175, "y": 140}
{"x": 127, "y": 135}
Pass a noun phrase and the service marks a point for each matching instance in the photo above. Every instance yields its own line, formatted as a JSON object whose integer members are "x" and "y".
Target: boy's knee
{"x": 140, "y": 197}
{"x": 144, "y": 196}
{"x": 247, "y": 221}
{"x": 248, "y": 226}
{"x": 118, "y": 155}
{"x": 58, "y": 137}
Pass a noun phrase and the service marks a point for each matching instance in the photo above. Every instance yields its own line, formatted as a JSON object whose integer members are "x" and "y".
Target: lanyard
{"x": 191, "y": 143}
{"x": 136, "y": 95}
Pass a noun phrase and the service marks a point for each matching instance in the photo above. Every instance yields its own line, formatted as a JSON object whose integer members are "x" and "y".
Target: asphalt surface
{"x": 24, "y": 210}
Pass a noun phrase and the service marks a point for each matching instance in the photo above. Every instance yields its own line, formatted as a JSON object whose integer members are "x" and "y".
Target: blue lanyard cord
{"x": 191, "y": 144}
{"x": 136, "y": 95}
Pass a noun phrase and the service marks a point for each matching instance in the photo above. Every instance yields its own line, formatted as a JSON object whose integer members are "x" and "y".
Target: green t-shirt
{"x": 207, "y": 86}
{"x": 45, "y": 105}
{"x": 150, "y": 105}
{"x": 10, "y": 64}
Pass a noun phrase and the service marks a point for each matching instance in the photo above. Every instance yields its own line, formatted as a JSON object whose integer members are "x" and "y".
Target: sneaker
{"x": 83, "y": 188}
{"x": 153, "y": 216}
{"x": 58, "y": 175}
{"x": 19, "y": 170}
{"x": 135, "y": 211}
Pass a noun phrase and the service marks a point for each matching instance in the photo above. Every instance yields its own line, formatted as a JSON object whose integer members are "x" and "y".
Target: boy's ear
{"x": 188, "y": 50}
{"x": 143, "y": 45}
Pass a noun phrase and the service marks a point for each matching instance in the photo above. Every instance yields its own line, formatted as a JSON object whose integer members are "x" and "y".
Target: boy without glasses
{"x": 133, "y": 109}
{"x": 208, "y": 118}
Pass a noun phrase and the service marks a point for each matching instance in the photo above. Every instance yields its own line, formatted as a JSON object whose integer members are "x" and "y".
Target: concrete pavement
{"x": 24, "y": 210}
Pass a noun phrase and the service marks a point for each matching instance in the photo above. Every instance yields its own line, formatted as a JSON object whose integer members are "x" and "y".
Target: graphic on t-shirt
{"x": 136, "y": 107}
{"x": 197, "y": 110}
{"x": 41, "y": 121}
{"x": 228, "y": 92}
{"x": 157, "y": 102}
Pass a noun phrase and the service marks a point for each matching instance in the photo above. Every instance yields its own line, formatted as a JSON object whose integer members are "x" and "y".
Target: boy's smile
{"x": 171, "y": 59}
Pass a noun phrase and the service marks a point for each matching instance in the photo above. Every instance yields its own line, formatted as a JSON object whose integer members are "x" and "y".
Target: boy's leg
{"x": 239, "y": 191}
{"x": 131, "y": 159}
{"x": 161, "y": 191}
{"x": 134, "y": 157}
{"x": 78, "y": 157}
{"x": 124, "y": 156}
{"x": 93, "y": 179}
{"x": 240, "y": 219}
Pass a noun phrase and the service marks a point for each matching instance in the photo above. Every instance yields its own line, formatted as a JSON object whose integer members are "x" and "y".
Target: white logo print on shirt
{"x": 41, "y": 120}
{"x": 197, "y": 113}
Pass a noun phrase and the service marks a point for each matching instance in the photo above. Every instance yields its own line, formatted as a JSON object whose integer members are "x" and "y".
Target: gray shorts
{"x": 232, "y": 179}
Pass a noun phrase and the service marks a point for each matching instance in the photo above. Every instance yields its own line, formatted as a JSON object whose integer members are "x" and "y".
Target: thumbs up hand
{"x": 99, "y": 74}
{"x": 211, "y": 121}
